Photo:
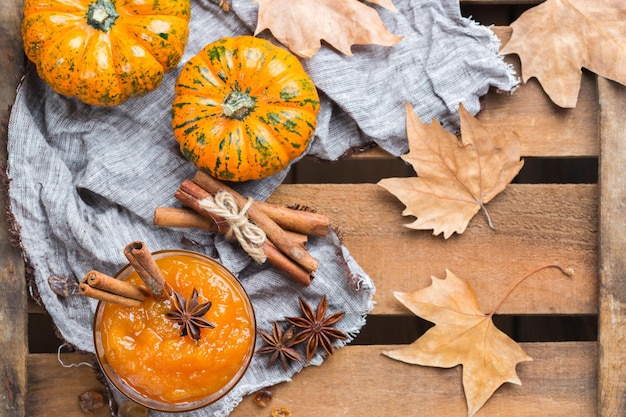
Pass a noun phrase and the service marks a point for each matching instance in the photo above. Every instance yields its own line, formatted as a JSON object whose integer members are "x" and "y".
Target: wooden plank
{"x": 560, "y": 381}
{"x": 612, "y": 250}
{"x": 545, "y": 129}
{"x": 13, "y": 318}
{"x": 360, "y": 381}
{"x": 536, "y": 225}
{"x": 53, "y": 390}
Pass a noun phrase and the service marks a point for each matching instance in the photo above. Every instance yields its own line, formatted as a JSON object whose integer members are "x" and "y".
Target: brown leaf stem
{"x": 566, "y": 271}
{"x": 489, "y": 222}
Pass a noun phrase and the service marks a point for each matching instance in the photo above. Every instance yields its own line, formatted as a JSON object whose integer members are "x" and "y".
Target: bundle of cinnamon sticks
{"x": 287, "y": 229}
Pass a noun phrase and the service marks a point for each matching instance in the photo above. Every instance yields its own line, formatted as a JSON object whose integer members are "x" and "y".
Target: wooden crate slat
{"x": 13, "y": 324}
{"x": 53, "y": 390}
{"x": 536, "y": 224}
{"x": 560, "y": 381}
{"x": 612, "y": 250}
{"x": 546, "y": 130}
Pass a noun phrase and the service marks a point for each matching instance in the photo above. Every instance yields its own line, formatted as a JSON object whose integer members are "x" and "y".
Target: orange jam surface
{"x": 145, "y": 347}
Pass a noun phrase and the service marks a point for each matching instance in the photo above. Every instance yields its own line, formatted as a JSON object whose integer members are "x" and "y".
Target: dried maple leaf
{"x": 456, "y": 178}
{"x": 557, "y": 38}
{"x": 300, "y": 25}
{"x": 462, "y": 335}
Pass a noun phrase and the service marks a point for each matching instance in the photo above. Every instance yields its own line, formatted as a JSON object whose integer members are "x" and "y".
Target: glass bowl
{"x": 143, "y": 354}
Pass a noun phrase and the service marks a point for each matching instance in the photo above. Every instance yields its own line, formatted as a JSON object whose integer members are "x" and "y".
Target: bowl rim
{"x": 130, "y": 392}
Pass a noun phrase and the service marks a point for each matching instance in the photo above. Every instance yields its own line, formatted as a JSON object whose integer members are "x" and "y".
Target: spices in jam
{"x": 146, "y": 350}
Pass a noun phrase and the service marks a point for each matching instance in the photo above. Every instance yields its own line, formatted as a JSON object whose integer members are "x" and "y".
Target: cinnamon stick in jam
{"x": 101, "y": 295}
{"x": 103, "y": 282}
{"x": 144, "y": 264}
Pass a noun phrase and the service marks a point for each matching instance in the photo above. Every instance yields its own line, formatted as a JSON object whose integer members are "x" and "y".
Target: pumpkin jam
{"x": 145, "y": 348}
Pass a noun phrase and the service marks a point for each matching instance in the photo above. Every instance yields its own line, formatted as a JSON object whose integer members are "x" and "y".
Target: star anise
{"x": 278, "y": 344}
{"x": 188, "y": 314}
{"x": 316, "y": 328}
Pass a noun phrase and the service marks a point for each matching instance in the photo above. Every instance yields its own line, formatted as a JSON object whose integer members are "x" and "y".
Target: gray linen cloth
{"x": 84, "y": 181}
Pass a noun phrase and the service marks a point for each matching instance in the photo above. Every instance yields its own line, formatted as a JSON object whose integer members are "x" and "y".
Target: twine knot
{"x": 250, "y": 236}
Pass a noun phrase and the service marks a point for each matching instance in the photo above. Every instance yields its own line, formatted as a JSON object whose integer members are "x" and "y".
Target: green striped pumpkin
{"x": 243, "y": 109}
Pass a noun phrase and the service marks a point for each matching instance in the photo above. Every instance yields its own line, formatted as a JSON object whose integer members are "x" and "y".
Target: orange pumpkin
{"x": 104, "y": 51}
{"x": 243, "y": 109}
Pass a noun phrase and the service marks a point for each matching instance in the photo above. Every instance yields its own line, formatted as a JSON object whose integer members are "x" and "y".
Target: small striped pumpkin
{"x": 243, "y": 109}
{"x": 105, "y": 51}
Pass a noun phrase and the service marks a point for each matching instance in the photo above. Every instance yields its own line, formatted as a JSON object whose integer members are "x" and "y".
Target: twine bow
{"x": 250, "y": 236}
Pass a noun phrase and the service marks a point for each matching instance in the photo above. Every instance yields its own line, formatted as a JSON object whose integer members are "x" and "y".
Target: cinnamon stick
{"x": 301, "y": 221}
{"x": 101, "y": 295}
{"x": 191, "y": 201}
{"x": 284, "y": 264}
{"x": 103, "y": 282}
{"x": 183, "y": 217}
{"x": 294, "y": 250}
{"x": 144, "y": 264}
{"x": 274, "y": 256}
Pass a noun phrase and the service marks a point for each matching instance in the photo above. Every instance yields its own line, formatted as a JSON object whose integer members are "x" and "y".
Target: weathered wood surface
{"x": 13, "y": 318}
{"x": 53, "y": 389}
{"x": 560, "y": 381}
{"x": 612, "y": 250}
{"x": 536, "y": 225}
{"x": 360, "y": 381}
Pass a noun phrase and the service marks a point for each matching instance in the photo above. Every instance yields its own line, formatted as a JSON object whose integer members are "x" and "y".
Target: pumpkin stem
{"x": 101, "y": 15}
{"x": 238, "y": 105}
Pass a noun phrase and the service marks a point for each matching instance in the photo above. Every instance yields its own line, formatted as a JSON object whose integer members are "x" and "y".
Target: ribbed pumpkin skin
{"x": 125, "y": 57}
{"x": 251, "y": 143}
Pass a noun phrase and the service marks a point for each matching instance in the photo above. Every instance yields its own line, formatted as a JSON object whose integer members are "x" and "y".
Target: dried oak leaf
{"x": 300, "y": 25}
{"x": 456, "y": 177}
{"x": 462, "y": 335}
{"x": 557, "y": 38}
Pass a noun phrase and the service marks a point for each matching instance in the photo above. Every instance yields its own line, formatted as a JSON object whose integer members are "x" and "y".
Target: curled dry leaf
{"x": 300, "y": 25}
{"x": 456, "y": 178}
{"x": 462, "y": 335}
{"x": 558, "y": 38}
